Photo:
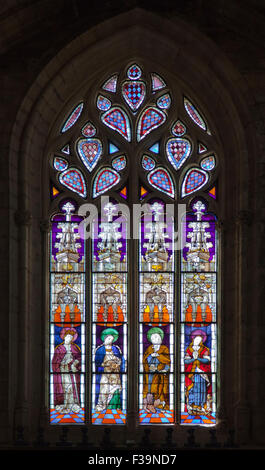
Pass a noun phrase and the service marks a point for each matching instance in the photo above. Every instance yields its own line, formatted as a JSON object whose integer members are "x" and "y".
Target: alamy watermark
{"x": 154, "y": 221}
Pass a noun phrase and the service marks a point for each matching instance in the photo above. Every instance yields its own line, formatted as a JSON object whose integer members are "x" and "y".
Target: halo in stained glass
{"x": 164, "y": 101}
{"x": 194, "y": 180}
{"x": 88, "y": 130}
{"x": 157, "y": 82}
{"x": 105, "y": 179}
{"x": 148, "y": 163}
{"x": 60, "y": 163}
{"x": 208, "y": 163}
{"x": 111, "y": 84}
{"x": 73, "y": 179}
{"x": 66, "y": 149}
{"x": 194, "y": 114}
{"x": 73, "y": 117}
{"x": 117, "y": 119}
{"x": 178, "y": 129}
{"x": 89, "y": 150}
{"x": 150, "y": 119}
{"x": 178, "y": 150}
{"x": 134, "y": 93}
{"x": 160, "y": 179}
{"x": 134, "y": 72}
{"x": 119, "y": 163}
{"x": 103, "y": 103}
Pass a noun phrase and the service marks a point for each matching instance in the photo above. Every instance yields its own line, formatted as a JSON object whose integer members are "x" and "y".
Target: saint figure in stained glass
{"x": 156, "y": 363}
{"x": 66, "y": 365}
{"x": 110, "y": 364}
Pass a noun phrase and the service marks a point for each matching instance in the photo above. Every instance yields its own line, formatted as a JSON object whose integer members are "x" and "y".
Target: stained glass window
{"x": 156, "y": 317}
{"x": 109, "y": 327}
{"x": 67, "y": 318}
{"x": 135, "y": 141}
{"x": 199, "y": 265}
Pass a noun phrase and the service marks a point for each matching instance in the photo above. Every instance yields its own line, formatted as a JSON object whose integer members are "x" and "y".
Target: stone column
{"x": 23, "y": 219}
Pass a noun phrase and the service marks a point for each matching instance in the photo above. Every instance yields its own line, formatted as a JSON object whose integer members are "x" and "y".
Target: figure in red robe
{"x": 66, "y": 365}
{"x": 197, "y": 375}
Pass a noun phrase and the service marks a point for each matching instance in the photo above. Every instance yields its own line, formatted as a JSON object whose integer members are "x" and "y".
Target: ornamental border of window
{"x": 135, "y": 114}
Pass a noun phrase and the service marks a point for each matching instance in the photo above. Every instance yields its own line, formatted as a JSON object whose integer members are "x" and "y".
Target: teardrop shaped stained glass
{"x": 164, "y": 101}
{"x": 60, "y": 163}
{"x": 103, "y": 103}
{"x": 117, "y": 119}
{"x": 134, "y": 93}
{"x": 150, "y": 119}
{"x": 178, "y": 150}
{"x": 88, "y": 130}
{"x": 105, "y": 179}
{"x": 73, "y": 179}
{"x": 194, "y": 180}
{"x": 89, "y": 150}
{"x": 134, "y": 72}
{"x": 73, "y": 117}
{"x": 119, "y": 163}
{"x": 160, "y": 179}
{"x": 178, "y": 129}
{"x": 208, "y": 163}
{"x": 148, "y": 163}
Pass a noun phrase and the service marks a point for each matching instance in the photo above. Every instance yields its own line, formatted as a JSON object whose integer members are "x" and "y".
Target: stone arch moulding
{"x": 182, "y": 54}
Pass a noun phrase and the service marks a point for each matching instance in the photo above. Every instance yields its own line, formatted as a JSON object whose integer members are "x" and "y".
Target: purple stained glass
{"x": 105, "y": 179}
{"x": 194, "y": 114}
{"x": 206, "y": 231}
{"x": 119, "y": 163}
{"x": 160, "y": 179}
{"x": 134, "y": 93}
{"x": 111, "y": 84}
{"x": 88, "y": 130}
{"x": 150, "y": 119}
{"x": 148, "y": 163}
{"x": 157, "y": 82}
{"x": 60, "y": 164}
{"x": 178, "y": 150}
{"x": 71, "y": 120}
{"x": 194, "y": 180}
{"x": 117, "y": 119}
{"x": 134, "y": 72}
{"x": 208, "y": 163}
{"x": 74, "y": 180}
{"x": 67, "y": 241}
{"x": 156, "y": 225}
{"x": 164, "y": 101}
{"x": 110, "y": 245}
{"x": 103, "y": 103}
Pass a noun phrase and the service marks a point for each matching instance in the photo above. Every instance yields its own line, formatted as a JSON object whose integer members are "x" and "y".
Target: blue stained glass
{"x": 119, "y": 163}
{"x": 155, "y": 148}
{"x": 148, "y": 163}
{"x": 134, "y": 72}
{"x": 113, "y": 148}
{"x": 164, "y": 101}
{"x": 208, "y": 163}
{"x": 103, "y": 103}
